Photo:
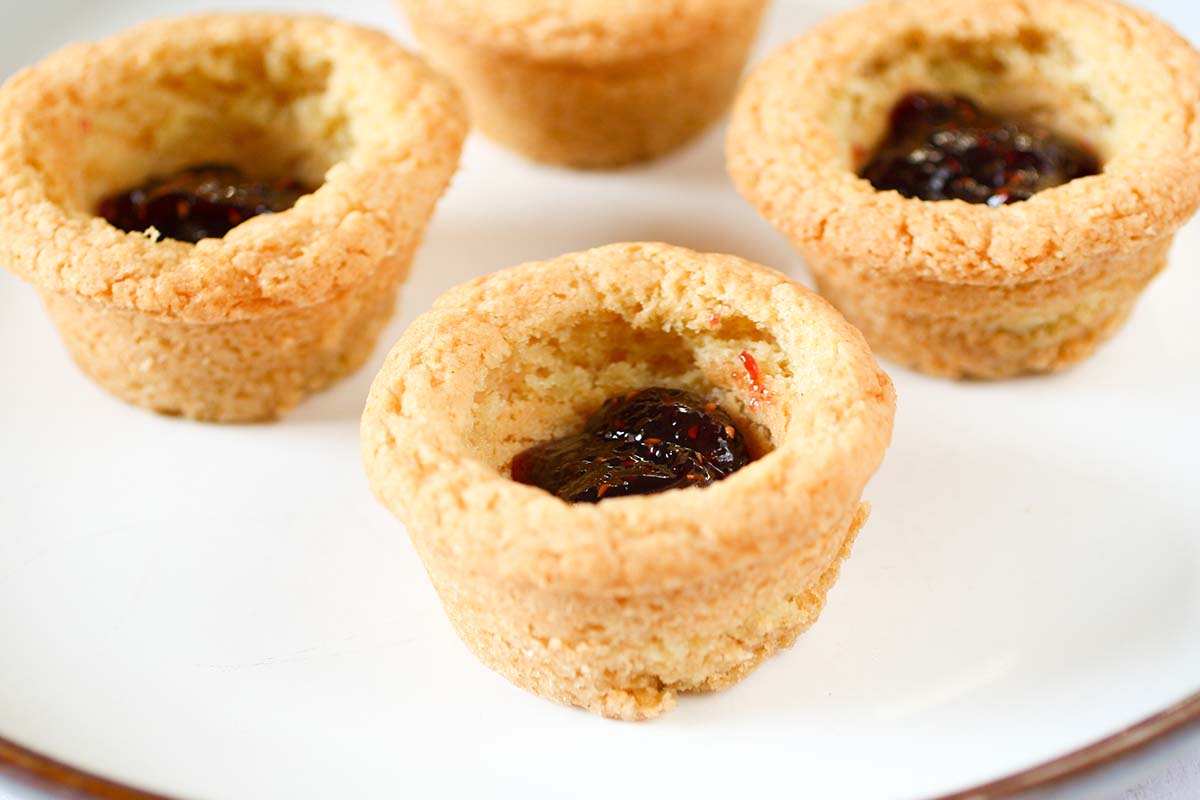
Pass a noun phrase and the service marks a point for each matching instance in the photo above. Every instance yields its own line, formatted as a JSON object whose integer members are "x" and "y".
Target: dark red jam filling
{"x": 643, "y": 442}
{"x": 945, "y": 148}
{"x": 203, "y": 202}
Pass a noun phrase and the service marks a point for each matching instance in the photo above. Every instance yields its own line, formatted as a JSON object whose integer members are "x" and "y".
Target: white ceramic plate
{"x": 226, "y": 612}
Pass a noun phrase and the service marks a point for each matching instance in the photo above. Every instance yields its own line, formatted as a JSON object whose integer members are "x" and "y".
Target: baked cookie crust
{"x": 241, "y": 327}
{"x": 966, "y": 290}
{"x": 590, "y": 83}
{"x": 618, "y": 606}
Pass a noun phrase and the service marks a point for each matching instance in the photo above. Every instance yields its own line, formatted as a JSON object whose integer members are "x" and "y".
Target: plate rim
{"x": 40, "y": 771}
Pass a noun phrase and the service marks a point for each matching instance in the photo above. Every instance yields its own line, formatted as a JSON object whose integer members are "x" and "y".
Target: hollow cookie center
{"x": 201, "y": 202}
{"x": 643, "y": 442}
{"x": 945, "y": 147}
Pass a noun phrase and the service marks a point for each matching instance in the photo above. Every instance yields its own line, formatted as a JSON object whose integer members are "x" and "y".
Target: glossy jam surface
{"x": 643, "y": 442}
{"x": 945, "y": 148}
{"x": 203, "y": 202}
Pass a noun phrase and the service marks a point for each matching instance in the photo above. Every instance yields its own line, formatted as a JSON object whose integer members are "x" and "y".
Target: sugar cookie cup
{"x": 618, "y": 606}
{"x": 237, "y": 328}
{"x": 965, "y": 290}
{"x": 590, "y": 83}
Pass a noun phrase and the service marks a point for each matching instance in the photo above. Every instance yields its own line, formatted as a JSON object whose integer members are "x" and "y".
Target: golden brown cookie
{"x": 590, "y": 83}
{"x": 957, "y": 289}
{"x": 619, "y": 605}
{"x": 239, "y": 327}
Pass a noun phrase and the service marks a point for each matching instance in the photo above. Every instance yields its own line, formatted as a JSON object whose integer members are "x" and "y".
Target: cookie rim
{"x": 568, "y": 32}
{"x": 241, "y": 275}
{"x": 786, "y": 162}
{"x": 509, "y": 531}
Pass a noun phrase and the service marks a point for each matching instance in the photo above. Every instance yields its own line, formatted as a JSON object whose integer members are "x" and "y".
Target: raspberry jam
{"x": 643, "y": 442}
{"x": 944, "y": 147}
{"x": 203, "y": 202}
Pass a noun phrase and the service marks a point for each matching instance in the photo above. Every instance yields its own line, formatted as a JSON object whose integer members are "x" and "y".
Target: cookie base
{"x": 989, "y": 332}
{"x": 242, "y": 371}
{"x": 594, "y": 116}
{"x": 627, "y": 657}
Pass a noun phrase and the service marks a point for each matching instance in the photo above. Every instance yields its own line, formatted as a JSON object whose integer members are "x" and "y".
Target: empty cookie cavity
{"x": 555, "y": 377}
{"x": 262, "y": 100}
{"x": 1026, "y": 74}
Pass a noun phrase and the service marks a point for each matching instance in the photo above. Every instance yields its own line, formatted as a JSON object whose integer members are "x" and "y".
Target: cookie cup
{"x": 237, "y": 328}
{"x": 618, "y": 606}
{"x": 590, "y": 83}
{"x": 965, "y": 290}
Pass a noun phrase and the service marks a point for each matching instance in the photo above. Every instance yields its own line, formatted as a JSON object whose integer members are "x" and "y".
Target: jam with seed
{"x": 203, "y": 202}
{"x": 640, "y": 443}
{"x": 947, "y": 148}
